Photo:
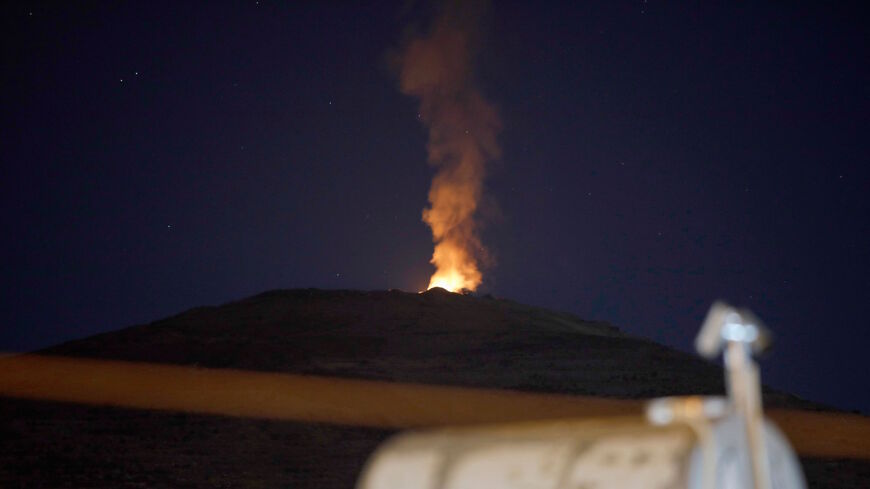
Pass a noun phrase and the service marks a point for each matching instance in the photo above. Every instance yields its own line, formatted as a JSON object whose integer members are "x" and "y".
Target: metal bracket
{"x": 739, "y": 333}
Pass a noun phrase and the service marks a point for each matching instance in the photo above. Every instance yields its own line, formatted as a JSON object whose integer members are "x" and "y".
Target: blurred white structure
{"x": 684, "y": 442}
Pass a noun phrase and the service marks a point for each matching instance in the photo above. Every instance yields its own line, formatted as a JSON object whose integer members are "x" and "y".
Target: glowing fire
{"x": 463, "y": 128}
{"x": 455, "y": 271}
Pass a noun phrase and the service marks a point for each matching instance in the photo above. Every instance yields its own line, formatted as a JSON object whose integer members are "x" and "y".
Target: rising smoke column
{"x": 463, "y": 128}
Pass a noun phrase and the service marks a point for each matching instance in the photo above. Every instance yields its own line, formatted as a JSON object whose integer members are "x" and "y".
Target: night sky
{"x": 656, "y": 156}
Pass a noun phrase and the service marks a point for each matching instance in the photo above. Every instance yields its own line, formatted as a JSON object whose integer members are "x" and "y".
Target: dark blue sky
{"x": 656, "y": 156}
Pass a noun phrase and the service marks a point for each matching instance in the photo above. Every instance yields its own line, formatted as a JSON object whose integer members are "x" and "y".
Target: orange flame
{"x": 462, "y": 138}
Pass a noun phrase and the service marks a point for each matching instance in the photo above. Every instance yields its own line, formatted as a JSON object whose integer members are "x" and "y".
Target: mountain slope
{"x": 435, "y": 337}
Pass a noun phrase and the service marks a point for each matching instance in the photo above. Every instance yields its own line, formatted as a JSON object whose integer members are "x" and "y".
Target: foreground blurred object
{"x": 684, "y": 442}
{"x": 356, "y": 402}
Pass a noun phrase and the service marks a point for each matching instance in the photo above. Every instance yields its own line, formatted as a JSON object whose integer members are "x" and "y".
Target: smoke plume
{"x": 463, "y": 129}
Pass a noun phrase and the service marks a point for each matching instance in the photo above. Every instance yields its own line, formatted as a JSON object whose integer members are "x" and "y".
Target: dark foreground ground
{"x": 435, "y": 338}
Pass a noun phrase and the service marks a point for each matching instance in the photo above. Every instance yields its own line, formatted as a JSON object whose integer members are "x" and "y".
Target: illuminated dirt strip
{"x": 356, "y": 402}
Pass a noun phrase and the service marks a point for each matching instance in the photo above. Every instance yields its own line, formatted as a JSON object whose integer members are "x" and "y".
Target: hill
{"x": 435, "y": 338}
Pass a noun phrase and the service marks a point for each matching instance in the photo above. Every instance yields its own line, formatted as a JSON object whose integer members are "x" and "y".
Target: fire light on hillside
{"x": 456, "y": 271}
